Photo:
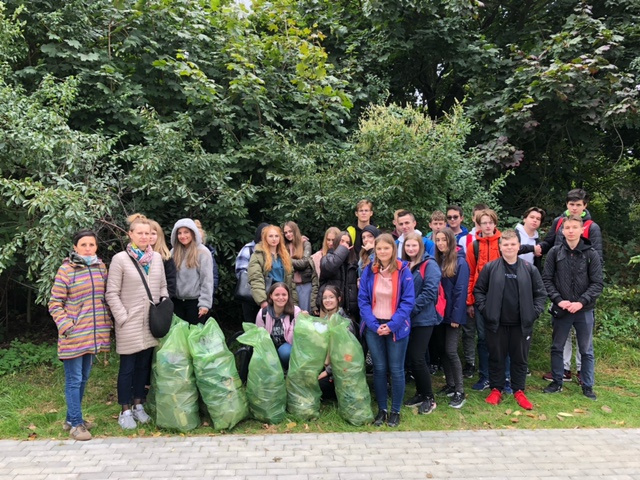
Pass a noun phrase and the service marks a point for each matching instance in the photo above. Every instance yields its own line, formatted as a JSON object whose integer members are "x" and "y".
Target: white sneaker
{"x": 126, "y": 420}
{"x": 139, "y": 414}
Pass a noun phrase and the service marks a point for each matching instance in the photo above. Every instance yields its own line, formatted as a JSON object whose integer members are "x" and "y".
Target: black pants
{"x": 447, "y": 339}
{"x": 508, "y": 340}
{"x": 418, "y": 345}
{"x": 249, "y": 311}
{"x": 187, "y": 310}
{"x": 133, "y": 376}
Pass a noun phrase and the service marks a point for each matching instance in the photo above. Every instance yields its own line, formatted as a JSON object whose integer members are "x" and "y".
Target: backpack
{"x": 441, "y": 303}
{"x": 585, "y": 225}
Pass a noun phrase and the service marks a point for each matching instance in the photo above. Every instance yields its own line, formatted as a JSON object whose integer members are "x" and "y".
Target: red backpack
{"x": 441, "y": 303}
{"x": 585, "y": 225}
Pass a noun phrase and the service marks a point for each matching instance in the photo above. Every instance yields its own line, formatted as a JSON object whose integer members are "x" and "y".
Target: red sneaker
{"x": 522, "y": 400}
{"x": 494, "y": 397}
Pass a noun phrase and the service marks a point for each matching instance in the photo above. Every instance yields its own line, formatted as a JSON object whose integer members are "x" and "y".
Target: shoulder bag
{"x": 161, "y": 313}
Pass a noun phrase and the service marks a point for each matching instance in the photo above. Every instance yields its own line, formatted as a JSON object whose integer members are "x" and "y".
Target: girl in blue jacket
{"x": 455, "y": 280}
{"x": 426, "y": 282}
{"x": 386, "y": 299}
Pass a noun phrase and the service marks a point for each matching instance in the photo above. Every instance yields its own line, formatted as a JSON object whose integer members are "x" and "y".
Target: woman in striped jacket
{"x": 78, "y": 307}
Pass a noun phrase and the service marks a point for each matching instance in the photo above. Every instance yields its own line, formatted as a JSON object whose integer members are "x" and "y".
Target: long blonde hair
{"x": 393, "y": 265}
{"x": 336, "y": 238}
{"x": 161, "y": 244}
{"x": 448, "y": 261}
{"x": 281, "y": 250}
{"x": 190, "y": 253}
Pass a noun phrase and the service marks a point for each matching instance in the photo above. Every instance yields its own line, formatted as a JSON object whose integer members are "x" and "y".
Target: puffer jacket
{"x": 574, "y": 275}
{"x": 555, "y": 235}
{"x": 78, "y": 307}
{"x": 129, "y": 302}
{"x": 336, "y": 270}
{"x": 258, "y": 277}
{"x": 488, "y": 250}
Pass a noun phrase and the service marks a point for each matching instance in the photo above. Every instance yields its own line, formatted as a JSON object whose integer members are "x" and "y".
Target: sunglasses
{"x": 453, "y": 217}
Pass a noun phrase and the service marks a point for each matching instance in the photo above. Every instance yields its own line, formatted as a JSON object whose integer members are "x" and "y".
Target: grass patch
{"x": 32, "y": 402}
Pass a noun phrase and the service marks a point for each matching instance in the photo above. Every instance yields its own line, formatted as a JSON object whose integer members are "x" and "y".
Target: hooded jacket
{"x": 78, "y": 307}
{"x": 258, "y": 277}
{"x": 455, "y": 291}
{"x": 336, "y": 270}
{"x": 403, "y": 293}
{"x": 489, "y": 292}
{"x": 425, "y": 289}
{"x": 574, "y": 275}
{"x": 488, "y": 250}
{"x": 197, "y": 282}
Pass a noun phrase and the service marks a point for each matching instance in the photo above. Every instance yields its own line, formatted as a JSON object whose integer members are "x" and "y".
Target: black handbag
{"x": 557, "y": 312}
{"x": 161, "y": 313}
{"x": 242, "y": 292}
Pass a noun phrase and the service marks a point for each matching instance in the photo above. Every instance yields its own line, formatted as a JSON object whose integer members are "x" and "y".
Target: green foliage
{"x": 20, "y": 357}
{"x": 618, "y": 315}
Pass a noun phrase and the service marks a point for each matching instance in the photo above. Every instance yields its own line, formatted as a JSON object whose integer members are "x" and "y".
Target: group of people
{"x": 410, "y": 298}
{"x": 413, "y": 297}
{"x": 85, "y": 297}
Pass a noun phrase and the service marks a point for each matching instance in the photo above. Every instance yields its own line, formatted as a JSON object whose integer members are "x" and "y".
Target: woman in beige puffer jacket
{"x": 129, "y": 304}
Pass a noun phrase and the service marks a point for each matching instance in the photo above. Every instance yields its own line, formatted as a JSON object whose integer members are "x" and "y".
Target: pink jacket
{"x": 267, "y": 323}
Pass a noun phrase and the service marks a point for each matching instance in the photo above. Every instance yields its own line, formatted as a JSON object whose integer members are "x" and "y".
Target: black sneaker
{"x": 553, "y": 387}
{"x": 457, "y": 400}
{"x": 428, "y": 406}
{"x": 579, "y": 378}
{"x": 394, "y": 419}
{"x": 416, "y": 400}
{"x": 469, "y": 370}
{"x": 381, "y": 417}
{"x": 433, "y": 368}
{"x": 447, "y": 390}
{"x": 588, "y": 392}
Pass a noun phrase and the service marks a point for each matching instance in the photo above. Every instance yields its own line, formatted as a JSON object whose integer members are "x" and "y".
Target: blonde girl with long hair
{"x": 194, "y": 273}
{"x": 270, "y": 263}
{"x": 304, "y": 275}
{"x": 158, "y": 242}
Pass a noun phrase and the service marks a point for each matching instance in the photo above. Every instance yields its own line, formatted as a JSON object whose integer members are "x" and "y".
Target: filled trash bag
{"x": 173, "y": 381}
{"x": 216, "y": 376}
{"x": 266, "y": 390}
{"x": 308, "y": 353}
{"x": 348, "y": 365}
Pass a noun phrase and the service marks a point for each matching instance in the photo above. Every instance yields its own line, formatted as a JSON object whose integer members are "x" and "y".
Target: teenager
{"x": 454, "y": 222}
{"x": 278, "y": 317}
{"x": 369, "y": 235}
{"x": 406, "y": 224}
{"x": 364, "y": 212}
{"x": 438, "y": 222}
{"x": 528, "y": 233}
{"x": 129, "y": 303}
{"x": 455, "y": 281}
{"x": 339, "y": 267}
{"x": 386, "y": 299}
{"x": 269, "y": 264}
{"x": 510, "y": 295}
{"x": 249, "y": 309}
{"x": 194, "y": 273}
{"x": 483, "y": 250}
{"x": 328, "y": 242}
{"x": 573, "y": 278}
{"x": 424, "y": 318}
{"x": 158, "y": 242}
{"x": 577, "y": 201}
{"x": 77, "y": 305}
{"x": 304, "y": 275}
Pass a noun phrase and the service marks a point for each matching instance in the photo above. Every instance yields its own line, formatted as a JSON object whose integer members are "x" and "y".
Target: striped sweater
{"x": 78, "y": 307}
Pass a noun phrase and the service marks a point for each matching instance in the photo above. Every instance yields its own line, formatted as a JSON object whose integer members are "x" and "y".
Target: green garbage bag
{"x": 216, "y": 376}
{"x": 308, "y": 353}
{"x": 173, "y": 380}
{"x": 348, "y": 365}
{"x": 266, "y": 390}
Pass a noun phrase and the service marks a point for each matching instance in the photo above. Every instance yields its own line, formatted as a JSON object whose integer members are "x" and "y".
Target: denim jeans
{"x": 76, "y": 375}
{"x": 284, "y": 353}
{"x": 582, "y": 322}
{"x": 304, "y": 296}
{"x": 388, "y": 357}
{"x": 133, "y": 376}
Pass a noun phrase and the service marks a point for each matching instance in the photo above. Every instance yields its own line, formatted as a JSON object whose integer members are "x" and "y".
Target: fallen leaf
{"x": 115, "y": 417}
{"x": 156, "y": 434}
{"x": 578, "y": 410}
{"x": 32, "y": 427}
{"x": 109, "y": 403}
{"x": 106, "y": 363}
{"x": 429, "y": 475}
{"x": 531, "y": 415}
{"x": 276, "y": 459}
{"x": 32, "y": 436}
{"x": 508, "y": 411}
{"x": 306, "y": 426}
{"x": 606, "y": 409}
{"x": 618, "y": 423}
{"x": 53, "y": 410}
{"x": 560, "y": 418}
{"x": 517, "y": 413}
{"x": 542, "y": 417}
{"x": 291, "y": 424}
{"x": 565, "y": 414}
{"x": 514, "y": 420}
{"x": 142, "y": 432}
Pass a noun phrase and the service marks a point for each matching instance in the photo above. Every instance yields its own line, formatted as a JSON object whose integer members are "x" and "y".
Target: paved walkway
{"x": 491, "y": 454}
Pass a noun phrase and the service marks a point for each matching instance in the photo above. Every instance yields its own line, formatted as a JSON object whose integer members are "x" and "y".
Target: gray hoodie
{"x": 192, "y": 283}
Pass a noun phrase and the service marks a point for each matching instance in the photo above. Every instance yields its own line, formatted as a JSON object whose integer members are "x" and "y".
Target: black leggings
{"x": 187, "y": 310}
{"x": 418, "y": 345}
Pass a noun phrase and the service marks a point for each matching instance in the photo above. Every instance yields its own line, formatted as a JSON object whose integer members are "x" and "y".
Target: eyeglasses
{"x": 487, "y": 223}
{"x": 453, "y": 217}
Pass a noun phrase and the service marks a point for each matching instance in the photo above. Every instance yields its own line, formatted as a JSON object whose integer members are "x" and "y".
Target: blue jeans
{"x": 583, "y": 324}
{"x": 304, "y": 296}
{"x": 284, "y": 353}
{"x": 76, "y": 375}
{"x": 133, "y": 376}
{"x": 388, "y": 357}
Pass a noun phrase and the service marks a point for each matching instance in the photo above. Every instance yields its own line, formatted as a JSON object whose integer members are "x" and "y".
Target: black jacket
{"x": 574, "y": 275}
{"x": 555, "y": 236}
{"x": 337, "y": 270}
{"x": 489, "y": 289}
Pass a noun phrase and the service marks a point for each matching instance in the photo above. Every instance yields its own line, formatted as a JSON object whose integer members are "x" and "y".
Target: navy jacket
{"x": 455, "y": 291}
{"x": 426, "y": 292}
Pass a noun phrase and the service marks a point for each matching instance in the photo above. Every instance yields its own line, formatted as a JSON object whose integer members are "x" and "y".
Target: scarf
{"x": 143, "y": 257}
